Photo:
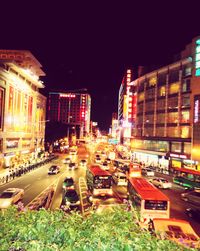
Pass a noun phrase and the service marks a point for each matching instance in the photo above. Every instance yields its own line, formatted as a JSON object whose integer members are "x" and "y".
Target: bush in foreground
{"x": 54, "y": 231}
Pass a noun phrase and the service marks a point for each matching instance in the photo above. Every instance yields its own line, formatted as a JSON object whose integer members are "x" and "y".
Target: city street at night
{"x": 99, "y": 126}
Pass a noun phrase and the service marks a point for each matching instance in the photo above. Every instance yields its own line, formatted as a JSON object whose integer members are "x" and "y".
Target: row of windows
{"x": 163, "y": 146}
{"x": 182, "y": 132}
{"x": 171, "y": 117}
{"x": 172, "y": 103}
{"x": 162, "y": 90}
{"x": 161, "y": 78}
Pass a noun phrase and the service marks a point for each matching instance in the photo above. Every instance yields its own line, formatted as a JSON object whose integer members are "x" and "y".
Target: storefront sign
{"x": 174, "y": 155}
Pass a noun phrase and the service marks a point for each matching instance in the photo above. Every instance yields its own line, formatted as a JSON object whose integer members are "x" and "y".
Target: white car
{"x": 83, "y": 162}
{"x": 105, "y": 166}
{"x": 54, "y": 170}
{"x": 147, "y": 172}
{"x": 161, "y": 183}
{"x": 67, "y": 160}
{"x": 73, "y": 165}
{"x": 10, "y": 196}
{"x": 73, "y": 152}
{"x": 120, "y": 179}
{"x": 98, "y": 160}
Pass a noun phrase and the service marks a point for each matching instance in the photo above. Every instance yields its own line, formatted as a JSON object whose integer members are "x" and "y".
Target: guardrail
{"x": 23, "y": 170}
{"x": 43, "y": 200}
{"x": 86, "y": 204}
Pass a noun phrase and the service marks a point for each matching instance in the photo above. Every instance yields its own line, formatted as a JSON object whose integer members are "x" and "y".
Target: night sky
{"x": 89, "y": 44}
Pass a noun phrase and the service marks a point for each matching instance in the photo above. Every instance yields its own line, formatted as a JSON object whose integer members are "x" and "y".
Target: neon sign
{"x": 197, "y": 58}
{"x": 196, "y": 111}
{"x": 67, "y": 96}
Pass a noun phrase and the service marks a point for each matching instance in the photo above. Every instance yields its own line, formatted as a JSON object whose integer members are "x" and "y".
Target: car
{"x": 83, "y": 162}
{"x": 54, "y": 169}
{"x": 147, "y": 172}
{"x": 120, "y": 179}
{"x": 98, "y": 160}
{"x": 67, "y": 160}
{"x": 73, "y": 165}
{"x": 161, "y": 183}
{"x": 192, "y": 197}
{"x": 10, "y": 196}
{"x": 72, "y": 151}
{"x": 68, "y": 183}
{"x": 105, "y": 166}
{"x": 70, "y": 200}
{"x": 193, "y": 213}
{"x": 108, "y": 160}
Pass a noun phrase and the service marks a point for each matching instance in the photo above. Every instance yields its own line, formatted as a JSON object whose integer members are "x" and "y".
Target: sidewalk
{"x": 7, "y": 175}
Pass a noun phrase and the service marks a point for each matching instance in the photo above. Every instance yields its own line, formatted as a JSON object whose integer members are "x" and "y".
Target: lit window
{"x": 197, "y": 72}
{"x": 198, "y": 49}
{"x": 174, "y": 88}
{"x": 197, "y": 64}
{"x": 197, "y": 56}
{"x": 162, "y": 91}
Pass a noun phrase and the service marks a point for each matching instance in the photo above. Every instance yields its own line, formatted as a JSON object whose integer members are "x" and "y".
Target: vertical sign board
{"x": 196, "y": 131}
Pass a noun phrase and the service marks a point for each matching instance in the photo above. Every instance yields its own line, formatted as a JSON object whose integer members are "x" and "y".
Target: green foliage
{"x": 55, "y": 231}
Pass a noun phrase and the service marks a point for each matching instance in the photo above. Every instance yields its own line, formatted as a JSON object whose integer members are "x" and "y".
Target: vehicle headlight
{"x": 78, "y": 202}
{"x": 67, "y": 203}
{"x": 5, "y": 204}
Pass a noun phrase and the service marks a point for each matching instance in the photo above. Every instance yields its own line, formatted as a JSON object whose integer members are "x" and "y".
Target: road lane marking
{"x": 27, "y": 186}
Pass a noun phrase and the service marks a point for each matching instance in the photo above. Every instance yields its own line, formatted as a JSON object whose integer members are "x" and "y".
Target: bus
{"x": 186, "y": 177}
{"x": 99, "y": 181}
{"x": 179, "y": 231}
{"x": 150, "y": 201}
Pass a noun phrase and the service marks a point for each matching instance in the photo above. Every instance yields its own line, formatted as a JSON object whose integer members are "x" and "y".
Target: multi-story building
{"x": 126, "y": 107}
{"x": 72, "y": 109}
{"x": 167, "y": 129}
{"x": 22, "y": 108}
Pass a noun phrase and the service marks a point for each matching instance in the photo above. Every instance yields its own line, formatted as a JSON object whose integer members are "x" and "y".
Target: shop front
{"x": 150, "y": 158}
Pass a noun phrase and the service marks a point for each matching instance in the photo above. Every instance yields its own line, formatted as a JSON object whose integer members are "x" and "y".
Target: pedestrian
{"x": 7, "y": 178}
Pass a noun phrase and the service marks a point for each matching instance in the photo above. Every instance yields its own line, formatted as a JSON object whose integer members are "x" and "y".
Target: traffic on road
{"x": 109, "y": 181}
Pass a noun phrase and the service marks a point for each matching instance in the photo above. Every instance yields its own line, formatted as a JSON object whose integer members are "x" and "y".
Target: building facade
{"x": 167, "y": 132}
{"x": 72, "y": 109}
{"x": 126, "y": 107}
{"x": 22, "y": 108}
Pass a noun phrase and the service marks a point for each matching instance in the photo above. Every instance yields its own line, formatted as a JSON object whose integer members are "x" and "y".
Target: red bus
{"x": 99, "y": 181}
{"x": 150, "y": 201}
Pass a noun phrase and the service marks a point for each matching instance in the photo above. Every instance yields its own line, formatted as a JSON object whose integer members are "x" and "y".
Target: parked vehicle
{"x": 54, "y": 169}
{"x": 10, "y": 196}
{"x": 161, "y": 183}
{"x": 192, "y": 197}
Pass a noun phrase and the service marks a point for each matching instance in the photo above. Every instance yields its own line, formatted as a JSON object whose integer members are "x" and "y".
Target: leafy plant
{"x": 55, "y": 231}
